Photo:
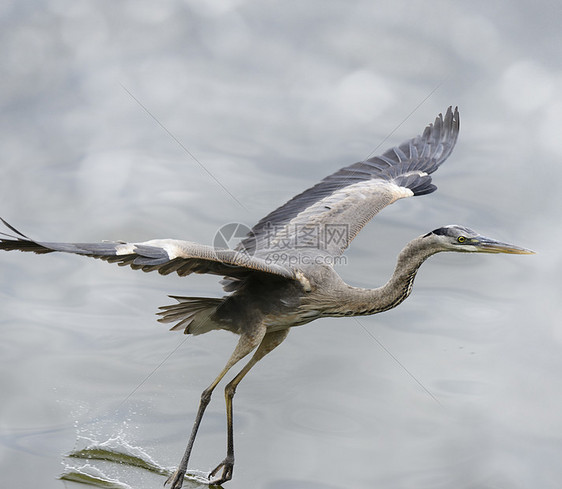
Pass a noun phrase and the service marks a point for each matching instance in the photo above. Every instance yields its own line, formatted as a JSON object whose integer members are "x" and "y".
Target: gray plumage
{"x": 282, "y": 274}
{"x": 354, "y": 194}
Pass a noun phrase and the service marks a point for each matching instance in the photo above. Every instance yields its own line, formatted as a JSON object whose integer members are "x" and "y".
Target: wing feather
{"x": 163, "y": 255}
{"x": 321, "y": 221}
{"x": 341, "y": 204}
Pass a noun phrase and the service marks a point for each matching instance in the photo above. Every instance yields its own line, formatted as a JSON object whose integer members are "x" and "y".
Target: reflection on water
{"x": 92, "y": 476}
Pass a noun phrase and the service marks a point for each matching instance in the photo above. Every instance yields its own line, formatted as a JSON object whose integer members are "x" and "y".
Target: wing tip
{"x": 12, "y": 228}
{"x": 446, "y": 126}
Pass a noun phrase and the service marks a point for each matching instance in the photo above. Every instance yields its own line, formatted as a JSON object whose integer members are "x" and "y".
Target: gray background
{"x": 270, "y": 97}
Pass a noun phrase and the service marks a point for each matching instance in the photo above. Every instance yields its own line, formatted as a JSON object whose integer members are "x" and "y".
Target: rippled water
{"x": 457, "y": 388}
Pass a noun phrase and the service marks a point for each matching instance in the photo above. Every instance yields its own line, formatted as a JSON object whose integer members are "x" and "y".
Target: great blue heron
{"x": 282, "y": 274}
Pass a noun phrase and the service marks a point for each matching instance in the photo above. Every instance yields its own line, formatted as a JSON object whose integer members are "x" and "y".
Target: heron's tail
{"x": 193, "y": 314}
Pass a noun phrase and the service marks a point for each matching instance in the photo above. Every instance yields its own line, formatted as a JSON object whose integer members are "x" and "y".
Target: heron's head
{"x": 462, "y": 239}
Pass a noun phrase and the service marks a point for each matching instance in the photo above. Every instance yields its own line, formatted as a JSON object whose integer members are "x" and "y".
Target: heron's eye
{"x": 461, "y": 239}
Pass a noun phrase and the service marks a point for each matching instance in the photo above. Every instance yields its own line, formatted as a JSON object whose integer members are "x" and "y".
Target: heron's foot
{"x": 176, "y": 479}
{"x": 227, "y": 466}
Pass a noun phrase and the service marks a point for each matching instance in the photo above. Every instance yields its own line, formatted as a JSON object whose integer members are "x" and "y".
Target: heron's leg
{"x": 246, "y": 344}
{"x": 270, "y": 341}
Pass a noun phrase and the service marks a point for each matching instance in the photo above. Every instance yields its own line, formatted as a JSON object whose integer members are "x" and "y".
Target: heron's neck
{"x": 398, "y": 288}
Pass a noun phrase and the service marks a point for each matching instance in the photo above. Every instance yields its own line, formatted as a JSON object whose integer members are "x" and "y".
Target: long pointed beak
{"x": 488, "y": 245}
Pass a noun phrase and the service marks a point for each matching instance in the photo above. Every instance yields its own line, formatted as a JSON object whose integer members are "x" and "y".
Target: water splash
{"x": 116, "y": 450}
{"x": 119, "y": 451}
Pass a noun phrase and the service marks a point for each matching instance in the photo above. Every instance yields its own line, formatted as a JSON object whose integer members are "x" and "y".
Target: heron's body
{"x": 282, "y": 274}
{"x": 283, "y": 303}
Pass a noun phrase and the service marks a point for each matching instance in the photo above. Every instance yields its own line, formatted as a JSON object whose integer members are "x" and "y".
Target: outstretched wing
{"x": 324, "y": 219}
{"x": 163, "y": 255}
{"x": 320, "y": 222}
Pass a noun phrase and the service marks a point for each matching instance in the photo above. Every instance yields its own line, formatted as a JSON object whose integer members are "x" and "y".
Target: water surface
{"x": 269, "y": 98}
